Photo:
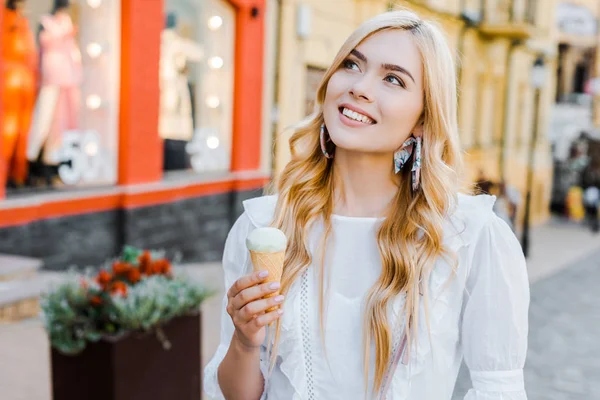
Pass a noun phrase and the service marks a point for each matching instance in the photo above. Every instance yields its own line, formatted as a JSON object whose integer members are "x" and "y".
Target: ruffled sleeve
{"x": 495, "y": 315}
{"x": 235, "y": 264}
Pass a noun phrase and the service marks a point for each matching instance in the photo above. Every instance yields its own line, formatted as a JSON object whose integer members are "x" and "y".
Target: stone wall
{"x": 196, "y": 228}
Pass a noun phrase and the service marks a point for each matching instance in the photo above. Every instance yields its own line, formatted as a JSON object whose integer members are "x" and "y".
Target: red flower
{"x": 96, "y": 301}
{"x": 121, "y": 268}
{"x": 119, "y": 288}
{"x": 134, "y": 275}
{"x": 144, "y": 261}
{"x": 104, "y": 278}
{"x": 161, "y": 266}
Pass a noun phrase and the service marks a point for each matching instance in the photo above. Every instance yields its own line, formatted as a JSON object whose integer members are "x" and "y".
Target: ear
{"x": 418, "y": 130}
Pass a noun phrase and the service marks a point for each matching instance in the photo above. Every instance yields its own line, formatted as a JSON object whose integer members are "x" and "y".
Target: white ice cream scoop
{"x": 266, "y": 240}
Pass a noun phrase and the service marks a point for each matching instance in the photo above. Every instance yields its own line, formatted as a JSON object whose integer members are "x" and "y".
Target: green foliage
{"x": 83, "y": 309}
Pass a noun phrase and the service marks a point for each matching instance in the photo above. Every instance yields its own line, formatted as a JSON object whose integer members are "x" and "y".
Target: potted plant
{"x": 130, "y": 331}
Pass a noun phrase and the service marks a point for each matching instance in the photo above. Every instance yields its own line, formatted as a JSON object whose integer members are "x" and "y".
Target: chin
{"x": 353, "y": 146}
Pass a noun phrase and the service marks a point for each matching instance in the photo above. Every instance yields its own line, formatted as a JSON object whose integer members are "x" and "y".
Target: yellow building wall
{"x": 330, "y": 24}
{"x": 486, "y": 117}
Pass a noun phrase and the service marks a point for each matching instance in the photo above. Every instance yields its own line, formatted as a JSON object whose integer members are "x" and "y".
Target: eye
{"x": 393, "y": 79}
{"x": 349, "y": 64}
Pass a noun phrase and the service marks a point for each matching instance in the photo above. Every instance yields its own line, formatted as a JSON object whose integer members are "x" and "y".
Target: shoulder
{"x": 492, "y": 243}
{"x": 260, "y": 210}
{"x": 468, "y": 217}
{"x": 257, "y": 212}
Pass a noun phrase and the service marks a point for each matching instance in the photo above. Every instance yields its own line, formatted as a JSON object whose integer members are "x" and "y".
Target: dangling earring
{"x": 324, "y": 142}
{"x": 401, "y": 156}
{"x": 416, "y": 168}
{"x": 412, "y": 146}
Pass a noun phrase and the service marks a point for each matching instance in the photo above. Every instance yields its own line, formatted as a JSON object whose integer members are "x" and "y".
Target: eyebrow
{"x": 391, "y": 67}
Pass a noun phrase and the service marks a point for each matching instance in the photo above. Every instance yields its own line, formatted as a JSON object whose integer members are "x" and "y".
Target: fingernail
{"x": 278, "y": 299}
{"x": 274, "y": 285}
{"x": 263, "y": 274}
{"x": 280, "y": 311}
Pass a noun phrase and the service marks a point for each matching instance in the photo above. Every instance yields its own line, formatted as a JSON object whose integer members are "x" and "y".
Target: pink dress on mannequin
{"x": 59, "y": 101}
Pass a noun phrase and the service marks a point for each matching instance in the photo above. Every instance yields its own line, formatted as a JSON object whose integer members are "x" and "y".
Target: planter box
{"x": 134, "y": 367}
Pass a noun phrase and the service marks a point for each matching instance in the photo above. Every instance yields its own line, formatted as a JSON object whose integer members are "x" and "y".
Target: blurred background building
{"x": 176, "y": 111}
{"x": 496, "y": 44}
{"x": 146, "y": 125}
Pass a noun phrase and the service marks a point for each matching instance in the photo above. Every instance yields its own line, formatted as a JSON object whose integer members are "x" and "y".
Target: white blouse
{"x": 479, "y": 313}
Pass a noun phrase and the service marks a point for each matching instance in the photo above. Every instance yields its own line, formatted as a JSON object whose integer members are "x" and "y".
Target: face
{"x": 374, "y": 101}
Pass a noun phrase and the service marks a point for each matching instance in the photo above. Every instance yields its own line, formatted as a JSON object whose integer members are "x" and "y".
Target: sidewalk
{"x": 558, "y": 244}
{"x": 24, "y": 355}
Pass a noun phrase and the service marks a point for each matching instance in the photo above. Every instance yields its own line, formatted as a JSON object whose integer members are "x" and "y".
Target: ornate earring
{"x": 401, "y": 156}
{"x": 411, "y": 147}
{"x": 416, "y": 168}
{"x": 324, "y": 142}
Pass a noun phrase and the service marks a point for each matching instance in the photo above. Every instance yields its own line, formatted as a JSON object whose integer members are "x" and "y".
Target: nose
{"x": 360, "y": 90}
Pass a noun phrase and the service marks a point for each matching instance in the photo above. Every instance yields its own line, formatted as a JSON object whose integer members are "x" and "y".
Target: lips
{"x": 356, "y": 114}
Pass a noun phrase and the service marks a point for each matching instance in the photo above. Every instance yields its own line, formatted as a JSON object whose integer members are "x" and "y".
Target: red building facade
{"x": 190, "y": 212}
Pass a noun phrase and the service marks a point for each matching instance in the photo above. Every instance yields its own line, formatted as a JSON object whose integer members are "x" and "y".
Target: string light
{"x": 212, "y": 142}
{"x": 213, "y": 101}
{"x": 215, "y": 62}
{"x": 215, "y": 22}
{"x": 93, "y": 102}
{"x": 91, "y": 148}
{"x": 94, "y": 3}
{"x": 94, "y": 50}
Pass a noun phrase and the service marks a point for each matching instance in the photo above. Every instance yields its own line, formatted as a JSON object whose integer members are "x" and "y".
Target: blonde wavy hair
{"x": 410, "y": 237}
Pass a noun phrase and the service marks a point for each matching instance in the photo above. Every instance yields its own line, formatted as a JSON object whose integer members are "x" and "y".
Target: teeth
{"x": 356, "y": 116}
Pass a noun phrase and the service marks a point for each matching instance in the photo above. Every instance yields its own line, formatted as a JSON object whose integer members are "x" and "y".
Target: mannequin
{"x": 176, "y": 120}
{"x": 19, "y": 70}
{"x": 58, "y": 105}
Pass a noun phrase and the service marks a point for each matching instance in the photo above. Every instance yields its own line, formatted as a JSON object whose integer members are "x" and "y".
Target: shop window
{"x": 196, "y": 84}
{"x": 61, "y": 93}
{"x": 314, "y": 75}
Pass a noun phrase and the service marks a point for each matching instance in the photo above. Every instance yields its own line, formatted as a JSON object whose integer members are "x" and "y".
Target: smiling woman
{"x": 391, "y": 275}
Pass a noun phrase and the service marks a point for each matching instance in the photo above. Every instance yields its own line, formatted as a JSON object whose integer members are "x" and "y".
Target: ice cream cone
{"x": 267, "y": 251}
{"x": 272, "y": 262}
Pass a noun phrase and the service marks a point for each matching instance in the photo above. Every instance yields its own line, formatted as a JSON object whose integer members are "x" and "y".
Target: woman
{"x": 390, "y": 275}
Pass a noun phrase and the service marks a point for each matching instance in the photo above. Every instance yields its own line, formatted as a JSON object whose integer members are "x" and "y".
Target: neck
{"x": 364, "y": 184}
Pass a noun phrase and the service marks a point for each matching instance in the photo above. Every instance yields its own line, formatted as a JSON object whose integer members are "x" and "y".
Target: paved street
{"x": 563, "y": 361}
{"x": 564, "y": 345}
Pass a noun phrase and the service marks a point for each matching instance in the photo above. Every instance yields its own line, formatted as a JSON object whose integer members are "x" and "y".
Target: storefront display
{"x": 197, "y": 65}
{"x": 117, "y": 145}
{"x": 66, "y": 126}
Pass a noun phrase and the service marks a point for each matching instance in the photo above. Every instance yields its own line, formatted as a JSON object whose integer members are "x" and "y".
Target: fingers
{"x": 254, "y": 293}
{"x": 265, "y": 319}
{"x": 255, "y": 309}
{"x": 247, "y": 281}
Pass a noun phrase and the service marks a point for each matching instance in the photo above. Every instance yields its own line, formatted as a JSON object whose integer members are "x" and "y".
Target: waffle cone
{"x": 272, "y": 262}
